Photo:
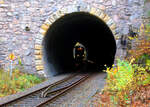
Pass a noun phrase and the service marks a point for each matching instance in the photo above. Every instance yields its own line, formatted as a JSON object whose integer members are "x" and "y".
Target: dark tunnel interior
{"x": 75, "y": 27}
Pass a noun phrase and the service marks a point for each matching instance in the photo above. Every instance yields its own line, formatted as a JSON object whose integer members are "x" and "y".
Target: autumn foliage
{"x": 142, "y": 44}
{"x": 128, "y": 83}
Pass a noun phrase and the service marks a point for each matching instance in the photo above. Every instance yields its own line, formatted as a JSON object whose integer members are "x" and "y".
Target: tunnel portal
{"x": 71, "y": 28}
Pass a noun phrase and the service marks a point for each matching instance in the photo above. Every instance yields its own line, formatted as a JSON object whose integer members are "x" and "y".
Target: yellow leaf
{"x": 130, "y": 37}
{"x": 11, "y": 56}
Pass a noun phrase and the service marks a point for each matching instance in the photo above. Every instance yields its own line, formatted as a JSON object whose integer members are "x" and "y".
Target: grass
{"x": 18, "y": 82}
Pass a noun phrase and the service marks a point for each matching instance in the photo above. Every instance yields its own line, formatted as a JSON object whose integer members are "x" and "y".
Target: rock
{"x": 41, "y": 72}
{"x": 1, "y": 26}
{"x": 114, "y": 2}
{"x": 42, "y": 11}
{"x": 9, "y": 14}
{"x": 3, "y": 39}
{"x": 125, "y": 30}
{"x": 4, "y": 5}
{"x": 107, "y": 3}
{"x": 27, "y": 52}
{"x": 116, "y": 18}
{"x": 10, "y": 25}
{"x": 1, "y": 9}
{"x": 100, "y": 1}
{"x": 27, "y": 4}
{"x": 102, "y": 7}
{"x": 27, "y": 60}
{"x": 24, "y": 46}
{"x": 10, "y": 19}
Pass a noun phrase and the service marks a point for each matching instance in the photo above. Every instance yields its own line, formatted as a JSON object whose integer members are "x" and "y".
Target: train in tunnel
{"x": 76, "y": 38}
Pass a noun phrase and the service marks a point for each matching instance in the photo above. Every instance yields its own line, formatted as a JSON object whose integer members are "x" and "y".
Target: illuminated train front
{"x": 80, "y": 55}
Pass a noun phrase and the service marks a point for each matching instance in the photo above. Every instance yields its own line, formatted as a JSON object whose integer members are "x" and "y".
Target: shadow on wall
{"x": 75, "y": 27}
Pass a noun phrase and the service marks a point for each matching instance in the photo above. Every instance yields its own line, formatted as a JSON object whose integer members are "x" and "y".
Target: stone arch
{"x": 39, "y": 63}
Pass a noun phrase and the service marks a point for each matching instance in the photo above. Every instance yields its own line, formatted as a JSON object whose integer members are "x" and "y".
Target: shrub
{"x": 120, "y": 76}
{"x": 123, "y": 80}
{"x": 18, "y": 82}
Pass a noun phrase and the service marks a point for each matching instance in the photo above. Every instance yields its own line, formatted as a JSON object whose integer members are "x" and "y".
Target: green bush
{"x": 123, "y": 80}
{"x": 119, "y": 77}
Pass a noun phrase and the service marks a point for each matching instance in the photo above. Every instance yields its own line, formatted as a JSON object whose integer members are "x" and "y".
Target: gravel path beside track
{"x": 81, "y": 95}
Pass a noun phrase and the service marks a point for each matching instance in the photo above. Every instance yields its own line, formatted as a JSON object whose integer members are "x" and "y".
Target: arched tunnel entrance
{"x": 82, "y": 27}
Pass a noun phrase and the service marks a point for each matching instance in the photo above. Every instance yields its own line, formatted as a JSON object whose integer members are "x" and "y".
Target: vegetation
{"x": 127, "y": 83}
{"x": 142, "y": 44}
{"x": 18, "y": 82}
{"x": 122, "y": 82}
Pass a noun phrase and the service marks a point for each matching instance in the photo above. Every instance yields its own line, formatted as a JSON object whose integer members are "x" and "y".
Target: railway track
{"x": 45, "y": 95}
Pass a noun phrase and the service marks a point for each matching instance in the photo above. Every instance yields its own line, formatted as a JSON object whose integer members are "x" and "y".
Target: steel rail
{"x": 62, "y": 91}
{"x": 21, "y": 98}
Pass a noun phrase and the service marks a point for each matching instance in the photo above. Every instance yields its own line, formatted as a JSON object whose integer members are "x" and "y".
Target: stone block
{"x": 109, "y": 22}
{"x": 87, "y": 9}
{"x": 9, "y": 14}
{"x": 4, "y": 5}
{"x": 27, "y": 60}
{"x": 24, "y": 46}
{"x": 27, "y": 52}
{"x": 41, "y": 72}
{"x": 72, "y": 8}
{"x": 38, "y": 41}
{"x": 55, "y": 17}
{"x": 114, "y": 32}
{"x": 39, "y": 36}
{"x": 102, "y": 15}
{"x": 3, "y": 39}
{"x": 38, "y": 62}
{"x": 47, "y": 22}
{"x": 43, "y": 32}
{"x": 93, "y": 10}
{"x": 100, "y": 1}
{"x": 39, "y": 67}
{"x": 125, "y": 30}
{"x": 38, "y": 57}
{"x": 27, "y": 4}
{"x": 108, "y": 3}
{"x": 59, "y": 13}
{"x": 45, "y": 27}
{"x": 64, "y": 11}
{"x": 102, "y": 7}
{"x": 106, "y": 18}
{"x": 98, "y": 12}
{"x": 38, "y": 52}
{"x": 51, "y": 19}
{"x": 38, "y": 47}
{"x": 114, "y": 3}
{"x": 113, "y": 26}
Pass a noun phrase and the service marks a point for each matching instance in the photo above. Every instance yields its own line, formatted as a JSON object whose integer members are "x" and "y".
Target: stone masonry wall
{"x": 16, "y": 15}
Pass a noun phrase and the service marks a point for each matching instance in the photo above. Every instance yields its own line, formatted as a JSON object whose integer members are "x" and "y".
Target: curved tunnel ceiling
{"x": 81, "y": 27}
